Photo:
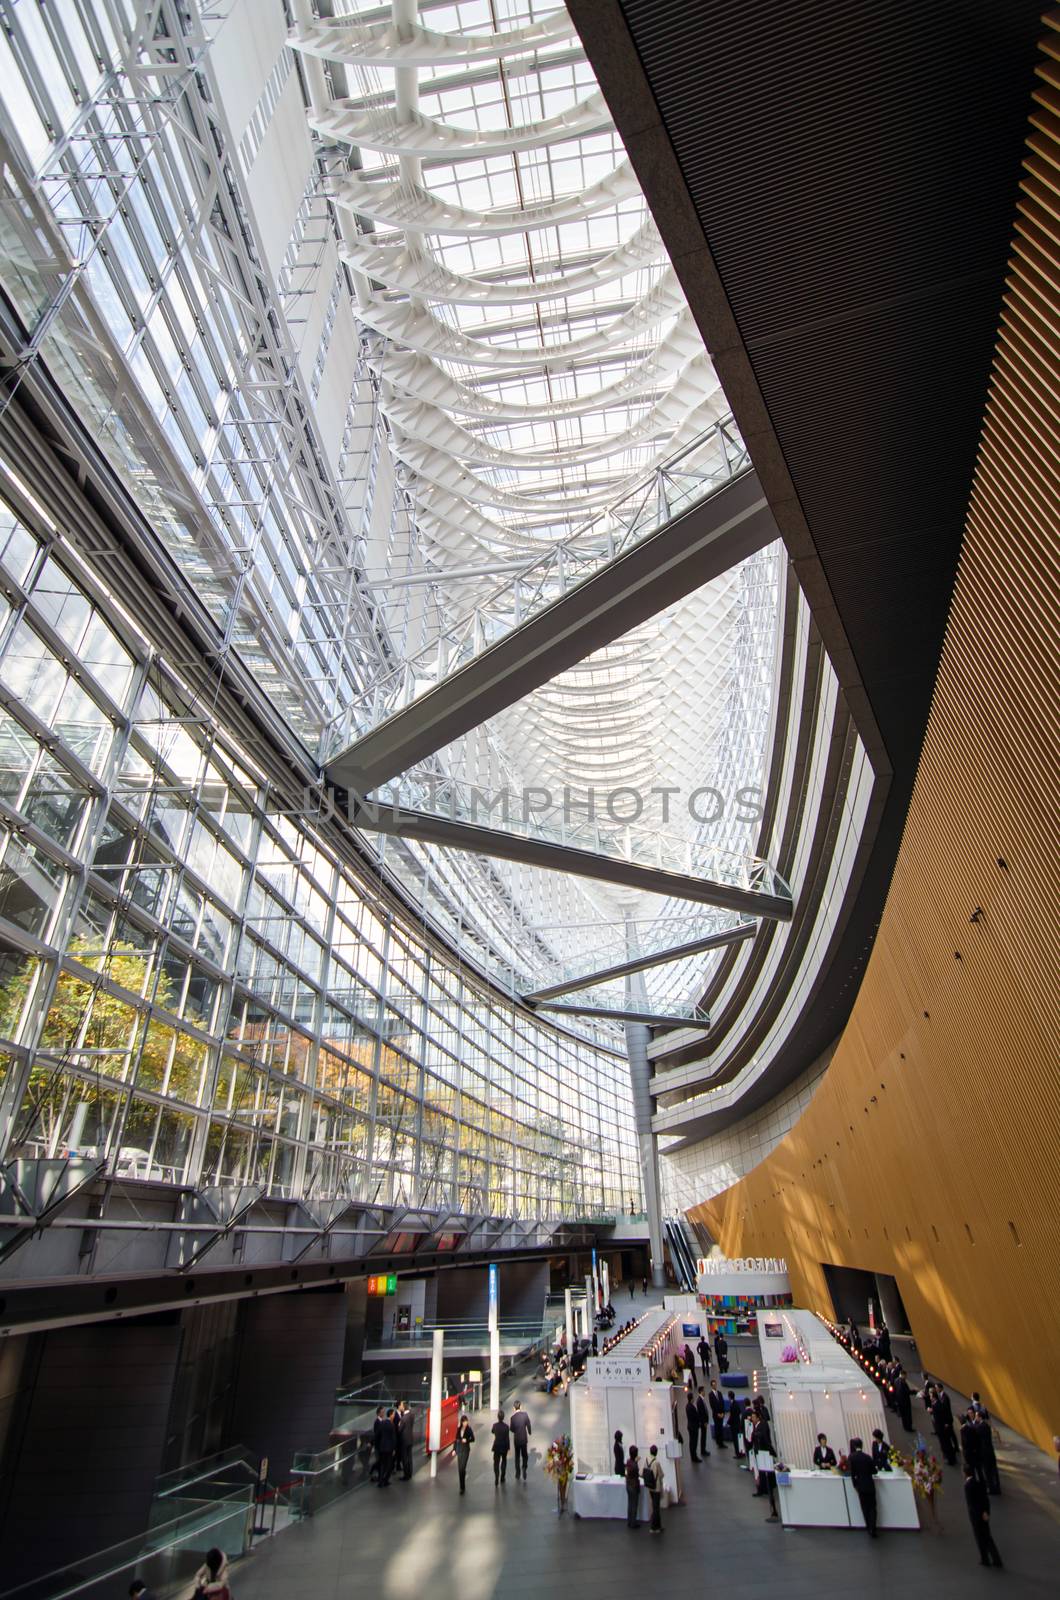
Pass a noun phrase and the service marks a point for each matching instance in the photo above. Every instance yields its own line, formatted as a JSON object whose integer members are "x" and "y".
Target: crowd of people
{"x": 393, "y": 1442}
{"x": 725, "y": 1418}
{"x": 967, "y": 1440}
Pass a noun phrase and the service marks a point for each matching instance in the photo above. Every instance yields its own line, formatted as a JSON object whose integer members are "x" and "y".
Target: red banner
{"x": 450, "y": 1418}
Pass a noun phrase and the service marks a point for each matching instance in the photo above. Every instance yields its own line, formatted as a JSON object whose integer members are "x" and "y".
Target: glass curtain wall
{"x": 196, "y": 988}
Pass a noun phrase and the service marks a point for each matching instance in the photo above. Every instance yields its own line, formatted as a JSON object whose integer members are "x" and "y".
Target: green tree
{"x": 85, "y": 1017}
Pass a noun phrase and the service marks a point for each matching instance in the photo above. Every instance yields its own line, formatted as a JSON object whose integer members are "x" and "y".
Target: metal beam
{"x": 686, "y": 553}
{"x": 453, "y": 835}
{"x": 659, "y": 958}
{"x": 652, "y": 1019}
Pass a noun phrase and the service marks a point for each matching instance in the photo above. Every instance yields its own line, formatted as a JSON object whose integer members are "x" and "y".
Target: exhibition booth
{"x": 812, "y": 1386}
{"x": 628, "y": 1389}
{"x": 730, "y": 1293}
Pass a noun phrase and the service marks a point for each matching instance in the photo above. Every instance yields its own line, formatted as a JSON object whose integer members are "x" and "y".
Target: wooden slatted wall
{"x": 932, "y": 1148}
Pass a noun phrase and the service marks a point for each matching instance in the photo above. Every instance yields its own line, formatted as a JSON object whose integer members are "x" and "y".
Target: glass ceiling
{"x": 366, "y": 325}
{"x": 536, "y": 362}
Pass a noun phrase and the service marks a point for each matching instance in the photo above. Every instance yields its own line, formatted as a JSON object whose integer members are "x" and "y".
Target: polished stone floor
{"x": 421, "y": 1541}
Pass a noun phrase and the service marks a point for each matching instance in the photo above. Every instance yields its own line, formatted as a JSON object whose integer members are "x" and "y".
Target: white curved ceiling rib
{"x": 405, "y": 45}
{"x": 396, "y": 267}
{"x": 388, "y": 134}
{"x": 422, "y": 377}
{"x": 408, "y": 205}
{"x": 416, "y": 329}
{"x": 535, "y": 359}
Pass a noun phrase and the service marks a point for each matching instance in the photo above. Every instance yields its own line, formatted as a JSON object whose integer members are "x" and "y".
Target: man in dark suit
{"x": 903, "y": 1400}
{"x": 721, "y": 1350}
{"x": 942, "y": 1413}
{"x": 703, "y": 1413}
{"x": 386, "y": 1444}
{"x": 521, "y": 1430}
{"x": 380, "y": 1416}
{"x": 978, "y": 1502}
{"x": 717, "y": 1411}
{"x": 692, "y": 1419}
{"x": 406, "y": 1428}
{"x": 736, "y": 1425}
{"x": 881, "y": 1451}
{"x": 704, "y": 1355}
{"x": 972, "y": 1447}
{"x": 502, "y": 1439}
{"x": 883, "y": 1340}
{"x": 985, "y": 1426}
{"x": 862, "y": 1473}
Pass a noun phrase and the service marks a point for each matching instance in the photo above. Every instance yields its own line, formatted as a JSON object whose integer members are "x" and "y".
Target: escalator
{"x": 681, "y": 1257}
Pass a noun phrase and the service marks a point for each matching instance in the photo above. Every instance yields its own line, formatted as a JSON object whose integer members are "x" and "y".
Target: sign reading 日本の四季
{"x": 612, "y": 1371}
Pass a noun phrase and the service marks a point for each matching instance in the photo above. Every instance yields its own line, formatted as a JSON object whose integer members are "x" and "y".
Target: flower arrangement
{"x": 789, "y": 1354}
{"x": 559, "y": 1464}
{"x": 842, "y": 1465}
{"x": 926, "y": 1475}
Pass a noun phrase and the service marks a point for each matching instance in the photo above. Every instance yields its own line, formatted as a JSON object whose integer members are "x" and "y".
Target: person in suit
{"x": 977, "y": 1500}
{"x": 520, "y": 1431}
{"x": 736, "y": 1425}
{"x": 881, "y": 1451}
{"x": 406, "y": 1428}
{"x": 703, "y": 1413}
{"x": 883, "y": 1340}
{"x": 692, "y": 1419}
{"x": 653, "y": 1478}
{"x": 380, "y": 1416}
{"x": 721, "y": 1350}
{"x": 465, "y": 1438}
{"x": 704, "y": 1355}
{"x": 386, "y": 1445}
{"x": 824, "y": 1455}
{"x": 689, "y": 1359}
{"x": 854, "y": 1335}
{"x": 903, "y": 1400}
{"x": 717, "y": 1412}
{"x": 502, "y": 1440}
{"x": 762, "y": 1446}
{"x": 993, "y": 1477}
{"x": 620, "y": 1455}
{"x": 632, "y": 1489}
{"x": 972, "y": 1446}
{"x": 942, "y": 1415}
{"x": 862, "y": 1472}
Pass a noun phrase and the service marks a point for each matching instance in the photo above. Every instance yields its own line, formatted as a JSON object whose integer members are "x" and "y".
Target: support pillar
{"x": 290, "y": 1364}
{"x": 86, "y": 1429}
{"x": 637, "y": 1037}
{"x": 434, "y": 1419}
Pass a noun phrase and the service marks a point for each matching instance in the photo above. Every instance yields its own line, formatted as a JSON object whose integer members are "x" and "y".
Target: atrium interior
{"x": 528, "y": 762}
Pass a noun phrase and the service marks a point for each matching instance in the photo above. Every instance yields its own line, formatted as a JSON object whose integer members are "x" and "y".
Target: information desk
{"x": 829, "y": 1500}
{"x": 814, "y": 1500}
{"x": 895, "y": 1501}
{"x": 598, "y": 1496}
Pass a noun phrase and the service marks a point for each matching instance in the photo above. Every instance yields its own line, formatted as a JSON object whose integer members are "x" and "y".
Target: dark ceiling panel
{"x": 854, "y": 169}
{"x": 836, "y": 185}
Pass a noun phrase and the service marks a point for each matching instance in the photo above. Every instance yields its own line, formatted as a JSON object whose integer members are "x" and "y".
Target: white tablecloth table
{"x": 895, "y": 1502}
{"x": 599, "y": 1496}
{"x": 827, "y": 1500}
{"x": 813, "y": 1500}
